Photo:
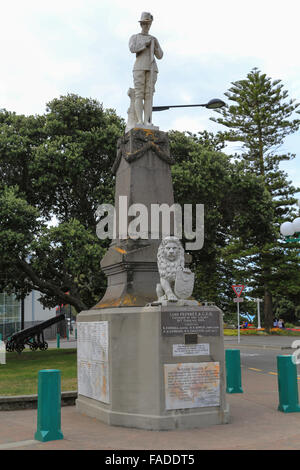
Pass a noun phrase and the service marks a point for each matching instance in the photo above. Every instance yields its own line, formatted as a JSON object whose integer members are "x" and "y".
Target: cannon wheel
{"x": 43, "y": 346}
{"x": 19, "y": 348}
{"x": 33, "y": 346}
{"x": 9, "y": 346}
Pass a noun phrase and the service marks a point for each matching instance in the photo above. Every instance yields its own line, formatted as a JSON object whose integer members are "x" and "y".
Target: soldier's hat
{"x": 146, "y": 17}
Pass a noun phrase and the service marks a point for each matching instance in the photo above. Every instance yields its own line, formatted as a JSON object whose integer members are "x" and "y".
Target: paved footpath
{"x": 255, "y": 424}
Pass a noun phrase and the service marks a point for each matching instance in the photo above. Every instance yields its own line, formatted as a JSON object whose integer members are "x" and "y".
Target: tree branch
{"x": 47, "y": 287}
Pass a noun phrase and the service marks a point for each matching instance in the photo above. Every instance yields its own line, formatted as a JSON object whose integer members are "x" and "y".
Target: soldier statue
{"x": 146, "y": 48}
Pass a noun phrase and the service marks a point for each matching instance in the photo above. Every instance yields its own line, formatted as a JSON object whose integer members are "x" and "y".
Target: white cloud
{"x": 187, "y": 123}
{"x": 81, "y": 46}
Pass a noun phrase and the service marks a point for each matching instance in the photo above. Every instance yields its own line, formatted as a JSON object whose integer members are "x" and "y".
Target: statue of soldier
{"x": 145, "y": 69}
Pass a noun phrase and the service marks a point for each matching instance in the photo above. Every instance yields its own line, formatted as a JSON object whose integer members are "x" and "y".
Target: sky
{"x": 51, "y": 48}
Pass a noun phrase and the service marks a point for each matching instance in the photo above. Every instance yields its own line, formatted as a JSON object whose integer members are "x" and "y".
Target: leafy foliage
{"x": 236, "y": 205}
{"x": 260, "y": 117}
{"x": 56, "y": 165}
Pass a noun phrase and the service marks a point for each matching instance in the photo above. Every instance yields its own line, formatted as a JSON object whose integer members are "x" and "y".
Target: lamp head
{"x": 215, "y": 104}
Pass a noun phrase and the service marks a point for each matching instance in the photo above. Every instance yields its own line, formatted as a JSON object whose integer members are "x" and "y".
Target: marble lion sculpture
{"x": 170, "y": 261}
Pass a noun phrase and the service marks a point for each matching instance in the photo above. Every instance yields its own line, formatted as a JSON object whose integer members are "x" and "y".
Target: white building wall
{"x": 34, "y": 310}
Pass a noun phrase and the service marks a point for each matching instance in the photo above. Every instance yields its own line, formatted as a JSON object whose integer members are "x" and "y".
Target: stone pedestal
{"x": 143, "y": 176}
{"x": 159, "y": 367}
{"x": 141, "y": 374}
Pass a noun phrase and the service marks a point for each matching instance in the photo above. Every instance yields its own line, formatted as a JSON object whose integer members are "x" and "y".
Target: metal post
{"x": 58, "y": 340}
{"x": 238, "y": 314}
{"x": 258, "y": 313}
{"x": 233, "y": 371}
{"x": 287, "y": 385}
{"x": 68, "y": 332}
{"x": 49, "y": 406}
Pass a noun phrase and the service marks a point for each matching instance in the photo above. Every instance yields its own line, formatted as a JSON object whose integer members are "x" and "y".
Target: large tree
{"x": 235, "y": 205}
{"x": 55, "y": 170}
{"x": 66, "y": 156}
{"x": 259, "y": 116}
{"x": 58, "y": 165}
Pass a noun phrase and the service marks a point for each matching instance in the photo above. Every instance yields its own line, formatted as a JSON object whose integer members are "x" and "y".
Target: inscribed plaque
{"x": 192, "y": 385}
{"x": 190, "y": 349}
{"x": 202, "y": 322}
{"x": 92, "y": 360}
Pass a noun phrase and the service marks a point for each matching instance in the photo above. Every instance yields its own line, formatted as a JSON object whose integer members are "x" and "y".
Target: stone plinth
{"x": 159, "y": 367}
{"x": 143, "y": 175}
{"x": 140, "y": 373}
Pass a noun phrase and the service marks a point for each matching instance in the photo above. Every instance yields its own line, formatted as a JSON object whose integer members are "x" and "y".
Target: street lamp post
{"x": 291, "y": 230}
{"x": 258, "y": 313}
{"x": 215, "y": 103}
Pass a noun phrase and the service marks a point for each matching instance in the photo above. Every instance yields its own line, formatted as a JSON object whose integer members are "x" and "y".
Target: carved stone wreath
{"x": 142, "y": 140}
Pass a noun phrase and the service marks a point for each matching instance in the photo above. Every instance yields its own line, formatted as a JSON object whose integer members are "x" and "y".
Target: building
{"x": 16, "y": 315}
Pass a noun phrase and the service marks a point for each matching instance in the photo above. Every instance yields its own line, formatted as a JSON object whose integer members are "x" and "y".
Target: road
{"x": 259, "y": 354}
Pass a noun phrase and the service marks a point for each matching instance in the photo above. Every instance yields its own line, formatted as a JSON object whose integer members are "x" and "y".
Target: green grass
{"x": 19, "y": 376}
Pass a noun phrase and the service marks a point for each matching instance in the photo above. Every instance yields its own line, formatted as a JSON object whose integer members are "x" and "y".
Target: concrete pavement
{"x": 255, "y": 424}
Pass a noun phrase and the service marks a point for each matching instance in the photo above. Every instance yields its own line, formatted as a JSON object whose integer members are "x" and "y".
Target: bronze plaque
{"x": 190, "y": 338}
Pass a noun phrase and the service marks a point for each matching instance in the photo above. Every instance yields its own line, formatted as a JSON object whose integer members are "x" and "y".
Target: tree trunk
{"x": 268, "y": 310}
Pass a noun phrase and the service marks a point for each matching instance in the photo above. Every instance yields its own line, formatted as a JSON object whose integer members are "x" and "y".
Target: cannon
{"x": 32, "y": 336}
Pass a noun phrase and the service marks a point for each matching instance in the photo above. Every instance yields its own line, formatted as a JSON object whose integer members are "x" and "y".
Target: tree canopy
{"x": 260, "y": 115}
{"x": 236, "y": 205}
{"x": 56, "y": 167}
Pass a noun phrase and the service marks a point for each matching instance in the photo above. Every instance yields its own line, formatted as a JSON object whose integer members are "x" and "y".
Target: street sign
{"x": 238, "y": 289}
{"x": 238, "y": 299}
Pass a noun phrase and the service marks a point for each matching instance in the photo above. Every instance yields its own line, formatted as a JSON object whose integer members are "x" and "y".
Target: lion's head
{"x": 170, "y": 257}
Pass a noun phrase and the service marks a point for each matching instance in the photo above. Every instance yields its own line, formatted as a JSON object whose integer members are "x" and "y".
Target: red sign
{"x": 238, "y": 289}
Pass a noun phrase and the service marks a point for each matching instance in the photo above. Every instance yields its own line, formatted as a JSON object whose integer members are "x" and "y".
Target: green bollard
{"x": 287, "y": 385}
{"x": 0, "y": 336}
{"x": 58, "y": 340}
{"x": 233, "y": 371}
{"x": 49, "y": 406}
{"x": 75, "y": 333}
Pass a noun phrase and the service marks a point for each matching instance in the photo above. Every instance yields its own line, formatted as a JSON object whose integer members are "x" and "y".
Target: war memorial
{"x": 150, "y": 356}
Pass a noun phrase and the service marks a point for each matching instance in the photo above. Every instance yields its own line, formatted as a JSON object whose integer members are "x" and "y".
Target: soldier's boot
{"x": 139, "y": 107}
